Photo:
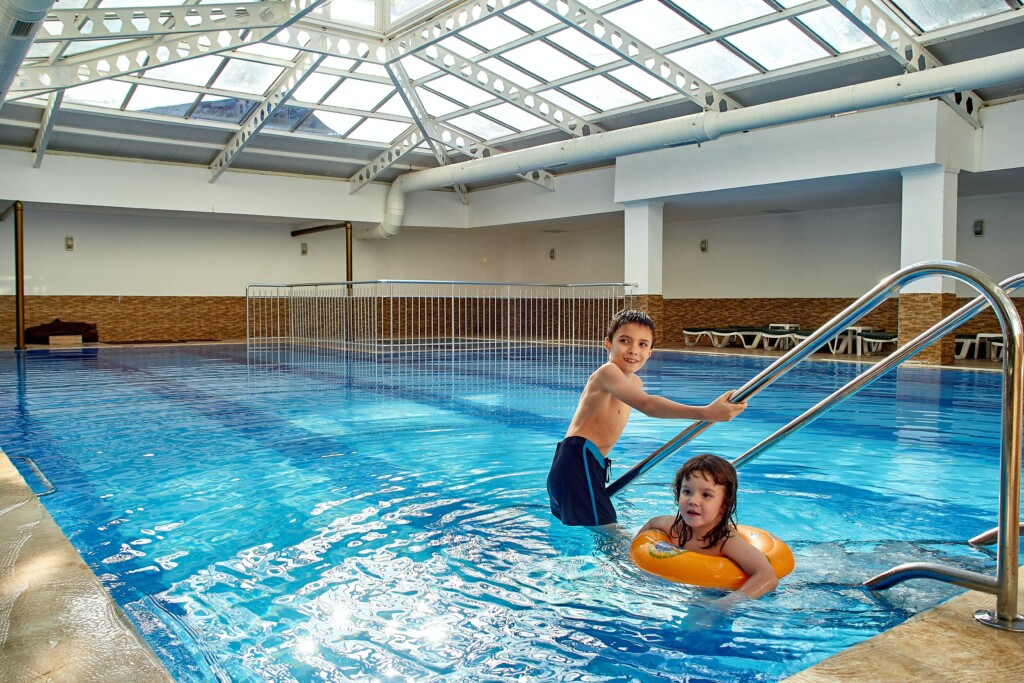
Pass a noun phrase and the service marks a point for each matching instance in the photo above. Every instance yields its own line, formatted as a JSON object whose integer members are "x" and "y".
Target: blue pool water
{"x": 301, "y": 525}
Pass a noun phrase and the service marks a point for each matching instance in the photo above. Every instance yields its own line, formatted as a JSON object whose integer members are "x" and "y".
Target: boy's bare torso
{"x": 600, "y": 416}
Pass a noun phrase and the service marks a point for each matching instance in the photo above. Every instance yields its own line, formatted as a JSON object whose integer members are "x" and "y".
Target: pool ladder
{"x": 1004, "y": 585}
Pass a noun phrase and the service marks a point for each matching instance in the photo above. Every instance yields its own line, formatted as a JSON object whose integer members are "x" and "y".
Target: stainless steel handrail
{"x": 822, "y": 335}
{"x": 1004, "y": 585}
{"x": 905, "y": 352}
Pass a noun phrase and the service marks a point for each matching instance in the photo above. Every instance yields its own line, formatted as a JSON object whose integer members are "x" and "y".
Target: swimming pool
{"x": 304, "y": 526}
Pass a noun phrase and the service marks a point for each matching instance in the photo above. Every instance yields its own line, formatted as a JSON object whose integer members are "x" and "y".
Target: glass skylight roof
{"x": 525, "y": 47}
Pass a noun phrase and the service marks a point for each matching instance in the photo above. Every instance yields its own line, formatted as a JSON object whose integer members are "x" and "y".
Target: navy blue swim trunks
{"x": 577, "y": 484}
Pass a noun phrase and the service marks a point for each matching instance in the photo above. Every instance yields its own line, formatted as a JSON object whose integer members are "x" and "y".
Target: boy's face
{"x": 630, "y": 347}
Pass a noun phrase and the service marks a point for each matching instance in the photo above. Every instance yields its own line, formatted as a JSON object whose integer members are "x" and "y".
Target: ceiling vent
{"x": 22, "y": 29}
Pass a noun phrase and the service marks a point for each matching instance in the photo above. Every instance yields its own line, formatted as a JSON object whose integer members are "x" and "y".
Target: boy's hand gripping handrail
{"x": 822, "y": 335}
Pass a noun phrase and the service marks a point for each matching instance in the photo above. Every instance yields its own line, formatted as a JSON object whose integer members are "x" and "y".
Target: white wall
{"x": 999, "y": 251}
{"x": 156, "y": 255}
{"x": 838, "y": 253}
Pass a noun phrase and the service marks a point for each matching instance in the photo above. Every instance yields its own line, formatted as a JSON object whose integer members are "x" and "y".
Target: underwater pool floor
{"x": 57, "y": 623}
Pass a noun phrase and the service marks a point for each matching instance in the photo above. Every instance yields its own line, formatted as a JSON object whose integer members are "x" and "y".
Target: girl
{"x": 705, "y": 489}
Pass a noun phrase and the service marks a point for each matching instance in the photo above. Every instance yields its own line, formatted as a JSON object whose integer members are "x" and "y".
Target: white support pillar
{"x": 929, "y": 222}
{"x": 644, "y": 222}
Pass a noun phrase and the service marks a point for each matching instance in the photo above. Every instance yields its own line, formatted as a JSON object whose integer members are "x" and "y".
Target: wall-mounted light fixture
{"x": 552, "y": 255}
{"x": 69, "y": 244}
{"x": 979, "y": 228}
{"x": 703, "y": 246}
{"x": 304, "y": 249}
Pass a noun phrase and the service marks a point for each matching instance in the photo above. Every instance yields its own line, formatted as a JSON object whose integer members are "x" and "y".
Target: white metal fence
{"x": 405, "y": 332}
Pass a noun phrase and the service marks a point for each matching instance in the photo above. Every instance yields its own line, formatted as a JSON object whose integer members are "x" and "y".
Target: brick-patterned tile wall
{"x": 134, "y": 318}
{"x": 986, "y": 320}
{"x": 918, "y": 312}
{"x": 808, "y": 314}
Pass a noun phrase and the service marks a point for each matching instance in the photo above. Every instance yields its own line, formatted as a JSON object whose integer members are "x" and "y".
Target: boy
{"x": 579, "y": 472}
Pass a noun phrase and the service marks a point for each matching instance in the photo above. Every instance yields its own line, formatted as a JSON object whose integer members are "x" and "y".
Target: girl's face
{"x": 700, "y": 503}
{"x": 630, "y": 347}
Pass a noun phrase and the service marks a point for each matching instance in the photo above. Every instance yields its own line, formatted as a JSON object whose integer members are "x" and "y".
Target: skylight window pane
{"x": 584, "y": 47}
{"x": 81, "y": 47}
{"x": 40, "y": 50}
{"x": 712, "y": 63}
{"x": 836, "y": 30}
{"x": 314, "y": 87}
{"x": 477, "y": 125}
{"x": 601, "y": 93}
{"x": 777, "y": 45}
{"x": 359, "y": 12}
{"x": 435, "y": 104}
{"x": 459, "y": 47}
{"x": 286, "y": 117}
{"x": 98, "y": 94}
{"x": 330, "y": 123}
{"x": 567, "y": 103}
{"x": 135, "y": 3}
{"x": 356, "y": 94}
{"x": 69, "y": 4}
{"x": 512, "y": 115}
{"x": 378, "y": 130}
{"x": 531, "y": 16}
{"x": 372, "y": 69}
{"x": 544, "y": 61}
{"x": 416, "y": 68}
{"x": 935, "y": 14}
{"x": 653, "y": 23}
{"x": 161, "y": 100}
{"x": 265, "y": 50}
{"x": 511, "y": 74}
{"x": 716, "y": 14}
{"x": 459, "y": 90}
{"x": 492, "y": 33}
{"x": 643, "y": 82}
{"x": 248, "y": 77}
{"x": 403, "y": 8}
{"x": 339, "y": 63}
{"x": 227, "y": 109}
{"x": 395, "y": 105}
{"x": 191, "y": 71}
{"x": 594, "y": 4}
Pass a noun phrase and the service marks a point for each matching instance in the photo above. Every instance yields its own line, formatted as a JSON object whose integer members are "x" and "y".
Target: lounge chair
{"x": 873, "y": 341}
{"x": 963, "y": 345}
{"x": 693, "y": 335}
{"x": 776, "y": 338}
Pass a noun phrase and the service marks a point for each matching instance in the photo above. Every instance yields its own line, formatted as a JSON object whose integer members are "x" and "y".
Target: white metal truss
{"x": 443, "y": 25}
{"x": 46, "y": 126}
{"x": 283, "y": 87}
{"x": 135, "y": 22}
{"x": 137, "y": 55}
{"x": 631, "y": 48}
{"x": 403, "y": 84}
{"x": 306, "y": 35}
{"x": 434, "y": 133}
{"x": 470, "y": 146}
{"x": 906, "y": 49}
{"x": 522, "y": 97}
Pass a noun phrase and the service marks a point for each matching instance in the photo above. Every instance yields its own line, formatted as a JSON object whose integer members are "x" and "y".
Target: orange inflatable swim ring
{"x": 654, "y": 553}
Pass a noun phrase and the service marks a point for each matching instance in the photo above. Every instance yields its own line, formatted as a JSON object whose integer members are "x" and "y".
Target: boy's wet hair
{"x": 626, "y": 317}
{"x": 720, "y": 471}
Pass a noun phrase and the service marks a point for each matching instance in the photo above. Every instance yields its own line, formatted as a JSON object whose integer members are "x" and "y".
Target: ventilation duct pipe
{"x": 703, "y": 127}
{"x": 19, "y": 21}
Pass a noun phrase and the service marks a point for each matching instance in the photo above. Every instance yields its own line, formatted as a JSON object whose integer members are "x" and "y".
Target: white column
{"x": 929, "y": 223}
{"x": 644, "y": 222}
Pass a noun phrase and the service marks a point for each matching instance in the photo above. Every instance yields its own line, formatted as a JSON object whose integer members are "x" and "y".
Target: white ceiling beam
{"x": 638, "y": 53}
{"x": 906, "y": 49}
{"x": 138, "y": 55}
{"x": 441, "y": 26}
{"x": 135, "y": 22}
{"x": 496, "y": 84}
{"x": 46, "y": 127}
{"x": 280, "y": 91}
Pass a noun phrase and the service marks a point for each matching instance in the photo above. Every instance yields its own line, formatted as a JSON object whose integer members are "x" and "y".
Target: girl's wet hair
{"x": 721, "y": 472}
{"x": 627, "y": 316}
